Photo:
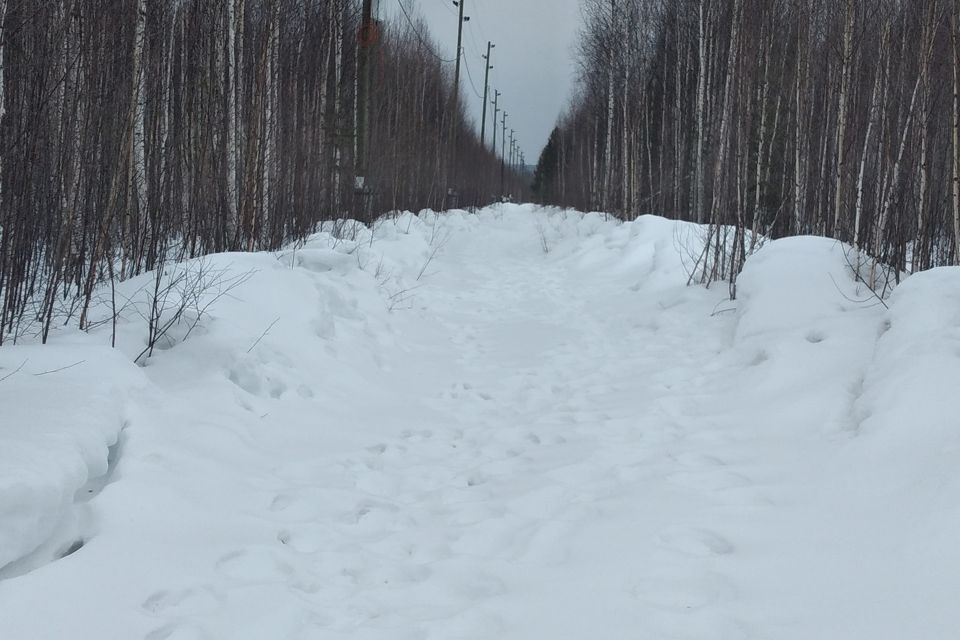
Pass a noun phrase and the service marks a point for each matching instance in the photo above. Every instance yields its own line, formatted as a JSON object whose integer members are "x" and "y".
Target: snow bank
{"x": 797, "y": 285}
{"x": 654, "y": 251}
{"x": 263, "y": 329}
{"x": 805, "y": 329}
{"x": 908, "y": 426}
{"x": 61, "y": 412}
{"x": 911, "y": 394}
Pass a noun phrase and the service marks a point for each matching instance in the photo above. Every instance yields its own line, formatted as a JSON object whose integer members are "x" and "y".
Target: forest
{"x": 767, "y": 118}
{"x": 136, "y": 133}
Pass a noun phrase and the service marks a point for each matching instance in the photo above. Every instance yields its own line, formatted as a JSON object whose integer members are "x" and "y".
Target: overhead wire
{"x": 471, "y": 34}
{"x": 475, "y": 7}
{"x": 448, "y": 7}
{"x": 470, "y": 77}
{"x": 477, "y": 49}
{"x": 423, "y": 42}
{"x": 476, "y": 45}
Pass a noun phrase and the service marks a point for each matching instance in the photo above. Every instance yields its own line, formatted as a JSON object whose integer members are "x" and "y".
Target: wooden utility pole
{"x": 496, "y": 111}
{"x": 503, "y": 153}
{"x": 455, "y": 105}
{"x": 512, "y": 147}
{"x": 456, "y": 74}
{"x": 367, "y": 39}
{"x": 486, "y": 92}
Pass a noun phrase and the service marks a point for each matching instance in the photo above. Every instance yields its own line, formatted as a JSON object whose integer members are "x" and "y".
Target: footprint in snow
{"x": 179, "y": 631}
{"x": 294, "y": 508}
{"x": 305, "y": 392}
{"x": 695, "y": 542}
{"x": 693, "y": 460}
{"x": 476, "y": 479}
{"x": 369, "y": 512}
{"x": 254, "y": 566}
{"x": 417, "y": 436}
{"x": 180, "y": 602}
{"x": 483, "y": 586}
{"x": 308, "y": 538}
{"x": 709, "y": 480}
{"x": 281, "y": 502}
{"x": 681, "y": 593}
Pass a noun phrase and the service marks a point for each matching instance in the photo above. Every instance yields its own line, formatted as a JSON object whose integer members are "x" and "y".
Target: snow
{"x": 55, "y": 436}
{"x": 515, "y": 424}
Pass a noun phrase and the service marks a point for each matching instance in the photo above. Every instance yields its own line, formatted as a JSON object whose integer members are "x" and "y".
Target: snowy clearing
{"x": 518, "y": 424}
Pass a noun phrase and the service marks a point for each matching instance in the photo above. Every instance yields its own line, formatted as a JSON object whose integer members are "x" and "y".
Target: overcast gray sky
{"x": 532, "y": 61}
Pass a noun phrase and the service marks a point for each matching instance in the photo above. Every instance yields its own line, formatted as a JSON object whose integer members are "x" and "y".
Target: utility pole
{"x": 456, "y": 74}
{"x": 367, "y": 39}
{"x": 486, "y": 92}
{"x": 503, "y": 153}
{"x": 455, "y": 105}
{"x": 512, "y": 147}
{"x": 496, "y": 110}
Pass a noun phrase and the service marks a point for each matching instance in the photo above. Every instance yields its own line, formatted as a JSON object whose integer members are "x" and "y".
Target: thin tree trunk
{"x": 626, "y": 205}
{"x": 921, "y": 252}
{"x": 895, "y": 174}
{"x": 608, "y": 129}
{"x": 955, "y": 126}
{"x": 842, "y": 101}
{"x": 764, "y": 97}
{"x": 701, "y": 113}
{"x": 232, "y": 63}
{"x": 871, "y": 123}
{"x": 136, "y": 184}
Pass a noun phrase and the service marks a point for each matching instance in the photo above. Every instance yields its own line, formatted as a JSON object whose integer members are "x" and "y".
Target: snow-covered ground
{"x": 515, "y": 425}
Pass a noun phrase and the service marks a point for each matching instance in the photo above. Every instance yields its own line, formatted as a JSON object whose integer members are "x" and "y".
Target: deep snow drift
{"x": 518, "y": 424}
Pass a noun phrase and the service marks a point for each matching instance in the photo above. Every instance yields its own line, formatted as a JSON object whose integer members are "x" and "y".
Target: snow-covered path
{"x": 592, "y": 495}
{"x": 562, "y": 445}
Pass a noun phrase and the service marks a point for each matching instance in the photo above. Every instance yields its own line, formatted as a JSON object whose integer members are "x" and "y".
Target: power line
{"x": 447, "y": 7}
{"x": 473, "y": 39}
{"x": 426, "y": 45}
{"x": 470, "y": 77}
{"x": 476, "y": 9}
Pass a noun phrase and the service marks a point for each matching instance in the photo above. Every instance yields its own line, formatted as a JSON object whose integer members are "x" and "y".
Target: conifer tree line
{"x": 136, "y": 132}
{"x": 780, "y": 117}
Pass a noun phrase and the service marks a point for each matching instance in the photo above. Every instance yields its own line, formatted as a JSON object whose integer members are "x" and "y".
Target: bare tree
{"x": 777, "y": 116}
{"x": 133, "y": 133}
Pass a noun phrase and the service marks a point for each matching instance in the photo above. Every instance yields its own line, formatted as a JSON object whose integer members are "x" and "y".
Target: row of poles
{"x": 368, "y": 38}
{"x": 515, "y": 158}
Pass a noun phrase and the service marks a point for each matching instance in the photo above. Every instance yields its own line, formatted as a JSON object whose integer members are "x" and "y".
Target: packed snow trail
{"x": 549, "y": 437}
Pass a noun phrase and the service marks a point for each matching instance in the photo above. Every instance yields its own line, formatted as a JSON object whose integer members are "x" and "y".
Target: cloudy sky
{"x": 532, "y": 61}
